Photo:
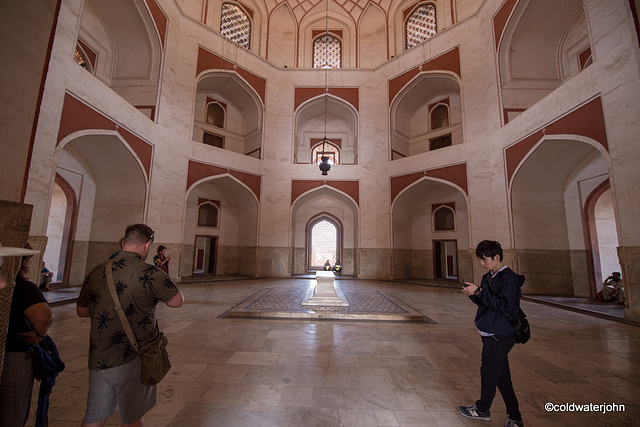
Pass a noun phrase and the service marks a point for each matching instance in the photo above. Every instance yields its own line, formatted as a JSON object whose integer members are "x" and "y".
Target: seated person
{"x": 337, "y": 267}
{"x": 327, "y": 266}
{"x": 46, "y": 276}
{"x": 613, "y": 288}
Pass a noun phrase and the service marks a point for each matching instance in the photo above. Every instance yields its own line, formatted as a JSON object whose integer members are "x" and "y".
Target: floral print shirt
{"x": 140, "y": 287}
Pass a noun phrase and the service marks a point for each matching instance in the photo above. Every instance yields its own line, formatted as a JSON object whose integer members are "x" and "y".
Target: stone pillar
{"x": 629, "y": 257}
{"x": 15, "y": 221}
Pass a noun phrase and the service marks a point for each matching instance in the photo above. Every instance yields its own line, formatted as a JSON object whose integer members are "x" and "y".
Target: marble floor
{"x": 230, "y": 371}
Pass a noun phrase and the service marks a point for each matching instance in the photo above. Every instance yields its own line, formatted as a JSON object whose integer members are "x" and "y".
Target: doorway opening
{"x": 206, "y": 254}
{"x": 323, "y": 243}
{"x": 445, "y": 259}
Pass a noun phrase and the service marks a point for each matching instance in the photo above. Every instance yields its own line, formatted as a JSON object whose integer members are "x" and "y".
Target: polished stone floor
{"x": 239, "y": 372}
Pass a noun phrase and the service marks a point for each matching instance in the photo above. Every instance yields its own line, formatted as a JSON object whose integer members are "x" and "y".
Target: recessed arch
{"x": 341, "y": 125}
{"x": 410, "y": 114}
{"x": 323, "y": 240}
{"x": 413, "y": 235}
{"x": 244, "y": 112}
{"x": 108, "y": 200}
{"x": 236, "y": 234}
{"x": 539, "y": 41}
{"x": 546, "y": 196}
{"x": 324, "y": 201}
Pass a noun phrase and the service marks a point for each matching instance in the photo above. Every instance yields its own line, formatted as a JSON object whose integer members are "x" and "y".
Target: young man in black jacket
{"x": 498, "y": 300}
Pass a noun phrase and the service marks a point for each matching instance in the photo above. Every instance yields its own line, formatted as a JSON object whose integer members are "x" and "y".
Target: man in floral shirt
{"x": 114, "y": 366}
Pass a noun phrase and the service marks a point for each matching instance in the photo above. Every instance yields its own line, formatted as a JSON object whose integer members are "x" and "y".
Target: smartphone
{"x": 463, "y": 283}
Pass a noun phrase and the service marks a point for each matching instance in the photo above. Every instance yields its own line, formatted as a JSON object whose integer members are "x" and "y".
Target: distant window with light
{"x": 439, "y": 117}
{"x": 215, "y": 115}
{"x": 235, "y": 25}
{"x": 421, "y": 25}
{"x": 444, "y": 219}
{"x": 330, "y": 150}
{"x": 207, "y": 215}
{"x": 327, "y": 51}
{"x": 323, "y": 244}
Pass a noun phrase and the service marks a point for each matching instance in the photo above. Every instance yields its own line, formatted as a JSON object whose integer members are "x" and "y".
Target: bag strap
{"x": 116, "y": 300}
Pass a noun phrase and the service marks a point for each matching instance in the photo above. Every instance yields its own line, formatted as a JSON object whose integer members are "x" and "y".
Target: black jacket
{"x": 498, "y": 302}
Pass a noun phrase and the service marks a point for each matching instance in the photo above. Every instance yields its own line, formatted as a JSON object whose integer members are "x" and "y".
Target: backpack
{"x": 523, "y": 331}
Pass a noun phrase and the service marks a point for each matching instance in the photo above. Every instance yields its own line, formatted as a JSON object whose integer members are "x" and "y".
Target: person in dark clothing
{"x": 30, "y": 318}
{"x": 498, "y": 301}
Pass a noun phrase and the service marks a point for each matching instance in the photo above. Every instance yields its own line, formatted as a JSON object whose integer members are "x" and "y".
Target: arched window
{"x": 215, "y": 115}
{"x": 208, "y": 215}
{"x": 421, "y": 25}
{"x": 444, "y": 219}
{"x": 327, "y": 51}
{"x": 235, "y": 25}
{"x": 330, "y": 150}
{"x": 323, "y": 243}
{"x": 439, "y": 117}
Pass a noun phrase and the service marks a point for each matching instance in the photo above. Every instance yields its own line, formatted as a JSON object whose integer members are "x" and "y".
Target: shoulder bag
{"x": 155, "y": 359}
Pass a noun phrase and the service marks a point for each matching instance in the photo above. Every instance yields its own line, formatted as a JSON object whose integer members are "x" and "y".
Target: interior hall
{"x": 261, "y": 139}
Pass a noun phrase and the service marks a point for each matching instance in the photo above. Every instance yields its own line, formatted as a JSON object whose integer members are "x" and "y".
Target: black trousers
{"x": 494, "y": 372}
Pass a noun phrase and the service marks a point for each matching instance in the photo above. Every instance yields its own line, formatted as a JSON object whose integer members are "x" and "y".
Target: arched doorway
{"x": 548, "y": 195}
{"x": 221, "y": 228}
{"x": 334, "y": 212}
{"x": 61, "y": 230}
{"x": 430, "y": 232}
{"x": 109, "y": 184}
{"x": 324, "y": 241}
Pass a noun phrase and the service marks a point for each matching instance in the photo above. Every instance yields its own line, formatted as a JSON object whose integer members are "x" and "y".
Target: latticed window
{"x": 235, "y": 25}
{"x": 443, "y": 219}
{"x": 327, "y": 51}
{"x": 421, "y": 25}
{"x": 329, "y": 150}
{"x": 324, "y": 244}
{"x": 207, "y": 215}
{"x": 439, "y": 117}
{"x": 215, "y": 115}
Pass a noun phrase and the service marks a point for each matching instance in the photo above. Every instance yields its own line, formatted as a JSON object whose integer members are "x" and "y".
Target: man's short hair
{"x": 138, "y": 234}
{"x": 488, "y": 249}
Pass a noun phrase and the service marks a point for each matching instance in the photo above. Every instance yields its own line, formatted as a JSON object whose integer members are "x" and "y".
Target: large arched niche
{"x": 110, "y": 186}
{"x": 415, "y": 237}
{"x": 341, "y": 128}
{"x": 547, "y": 197}
{"x": 126, "y": 47}
{"x": 341, "y": 208}
{"x": 373, "y": 48}
{"x": 340, "y": 24}
{"x": 234, "y": 239}
{"x": 243, "y": 110}
{"x": 411, "y": 129}
{"x": 283, "y": 30}
{"x": 544, "y": 43}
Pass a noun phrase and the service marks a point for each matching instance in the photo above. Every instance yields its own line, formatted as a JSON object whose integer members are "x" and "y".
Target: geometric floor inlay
{"x": 363, "y": 305}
